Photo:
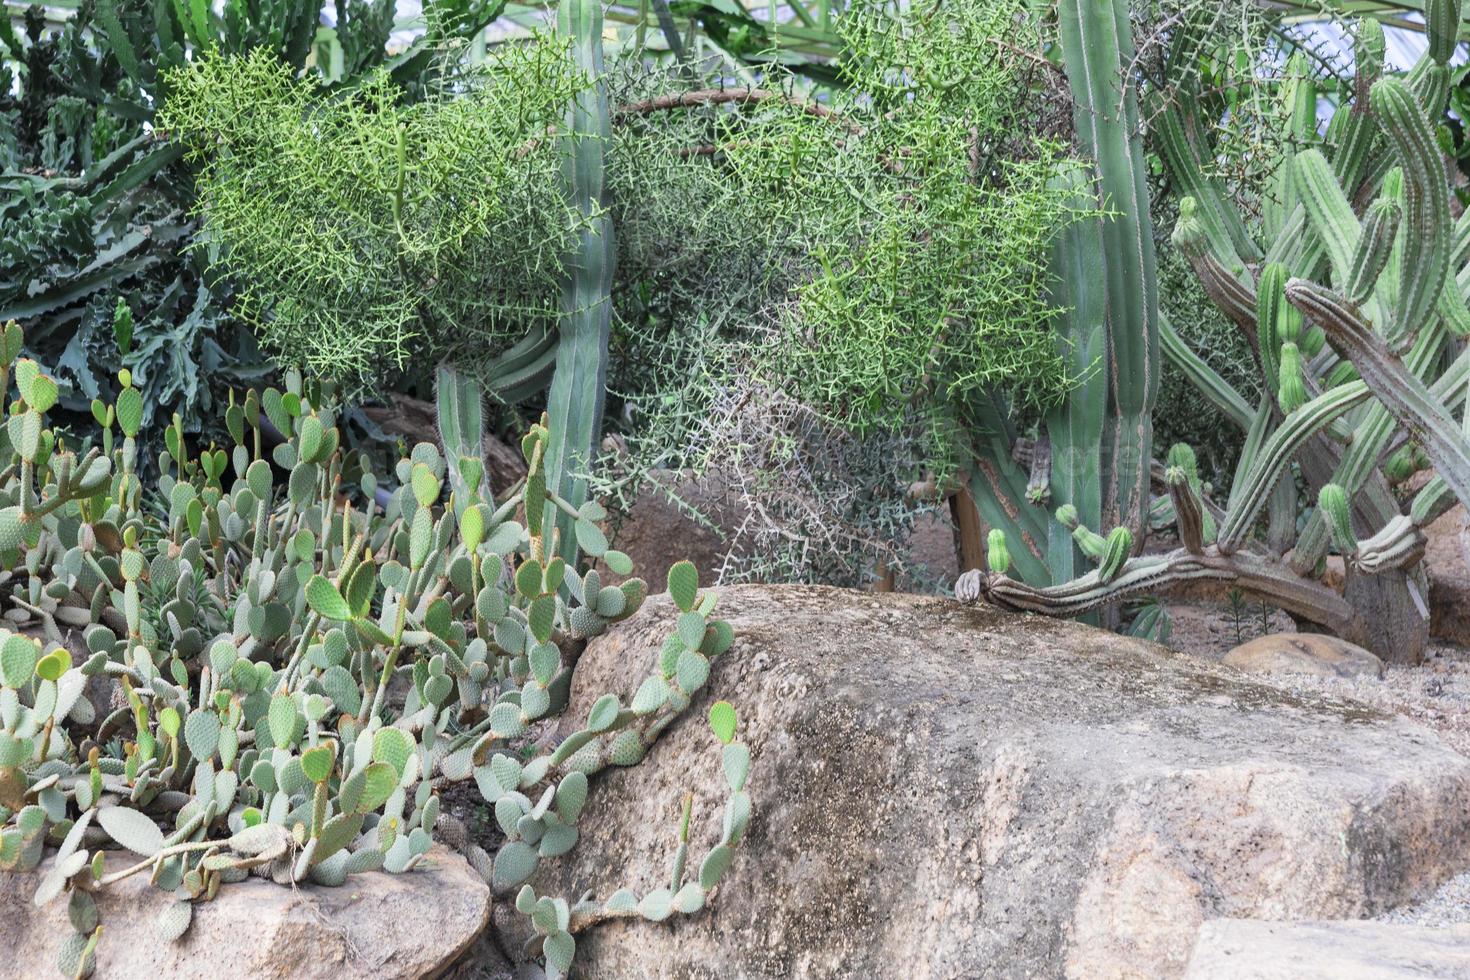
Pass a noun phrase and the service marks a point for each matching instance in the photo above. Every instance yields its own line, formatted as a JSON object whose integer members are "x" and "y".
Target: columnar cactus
{"x": 1108, "y": 331}
{"x": 297, "y": 673}
{"x": 578, "y": 390}
{"x": 1383, "y": 291}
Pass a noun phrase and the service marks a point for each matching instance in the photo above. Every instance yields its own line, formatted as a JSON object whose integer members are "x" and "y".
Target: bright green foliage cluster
{"x": 927, "y": 220}
{"x": 96, "y": 209}
{"x": 291, "y": 677}
{"x": 364, "y": 231}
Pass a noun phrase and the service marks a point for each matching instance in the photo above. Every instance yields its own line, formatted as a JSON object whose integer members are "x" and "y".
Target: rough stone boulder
{"x": 948, "y": 791}
{"x": 1246, "y": 949}
{"x": 1314, "y": 654}
{"x": 376, "y": 925}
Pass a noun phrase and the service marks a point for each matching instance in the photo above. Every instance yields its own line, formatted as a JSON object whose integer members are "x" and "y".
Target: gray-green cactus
{"x": 1387, "y": 293}
{"x": 296, "y": 674}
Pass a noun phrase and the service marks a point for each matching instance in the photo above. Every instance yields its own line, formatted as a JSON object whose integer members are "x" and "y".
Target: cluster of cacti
{"x": 1353, "y": 311}
{"x": 293, "y": 676}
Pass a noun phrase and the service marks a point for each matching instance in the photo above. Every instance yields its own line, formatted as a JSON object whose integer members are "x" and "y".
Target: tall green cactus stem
{"x": 1075, "y": 427}
{"x": 1097, "y": 48}
{"x": 578, "y": 385}
{"x": 1427, "y": 218}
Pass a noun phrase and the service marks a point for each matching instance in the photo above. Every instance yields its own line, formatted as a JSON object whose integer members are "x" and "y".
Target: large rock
{"x": 377, "y": 925}
{"x": 1449, "y": 578}
{"x": 947, "y": 791}
{"x": 1313, "y": 654}
{"x": 1246, "y": 949}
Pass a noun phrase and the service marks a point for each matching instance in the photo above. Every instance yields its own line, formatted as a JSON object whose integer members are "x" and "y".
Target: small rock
{"x": 1249, "y": 949}
{"x": 406, "y": 926}
{"x": 1316, "y": 654}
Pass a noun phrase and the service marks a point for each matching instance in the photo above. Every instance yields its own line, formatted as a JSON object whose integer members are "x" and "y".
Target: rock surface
{"x": 1449, "y": 578}
{"x": 943, "y": 791}
{"x": 377, "y": 925}
{"x": 1246, "y": 949}
{"x": 1304, "y": 653}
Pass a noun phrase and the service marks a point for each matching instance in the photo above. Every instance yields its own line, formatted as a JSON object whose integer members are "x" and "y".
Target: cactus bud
{"x": 1115, "y": 553}
{"x": 1067, "y": 516}
{"x": 1380, "y": 225}
{"x": 1092, "y": 544}
{"x": 125, "y": 378}
{"x": 997, "y": 557}
{"x": 1401, "y": 465}
{"x": 1189, "y": 231}
{"x": 1292, "y": 392}
{"x": 1333, "y": 500}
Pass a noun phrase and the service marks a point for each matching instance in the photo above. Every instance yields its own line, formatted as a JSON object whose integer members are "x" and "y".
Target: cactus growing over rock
{"x": 288, "y": 678}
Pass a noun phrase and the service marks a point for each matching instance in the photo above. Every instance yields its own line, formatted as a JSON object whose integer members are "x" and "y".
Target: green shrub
{"x": 366, "y": 231}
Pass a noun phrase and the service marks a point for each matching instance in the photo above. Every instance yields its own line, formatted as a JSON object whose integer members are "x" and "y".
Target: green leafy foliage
{"x": 365, "y": 229}
{"x": 97, "y": 208}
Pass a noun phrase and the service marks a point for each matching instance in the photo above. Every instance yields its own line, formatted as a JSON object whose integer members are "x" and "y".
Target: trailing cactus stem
{"x": 1404, "y": 395}
{"x": 1266, "y": 578}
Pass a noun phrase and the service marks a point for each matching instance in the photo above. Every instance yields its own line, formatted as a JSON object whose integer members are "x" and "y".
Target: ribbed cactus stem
{"x": 1358, "y": 132}
{"x": 997, "y": 558}
{"x": 1097, "y": 53}
{"x": 1116, "y": 549}
{"x": 1189, "y": 511}
{"x": 1375, "y": 247}
{"x": 1427, "y": 218}
{"x": 578, "y": 385}
{"x": 1182, "y": 456}
{"x": 1442, "y": 28}
{"x": 1093, "y": 545}
{"x": 1292, "y": 390}
{"x": 1270, "y": 299}
{"x": 1333, "y": 500}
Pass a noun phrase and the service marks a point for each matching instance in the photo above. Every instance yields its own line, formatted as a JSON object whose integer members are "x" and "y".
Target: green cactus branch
{"x": 1096, "y": 45}
{"x": 579, "y": 382}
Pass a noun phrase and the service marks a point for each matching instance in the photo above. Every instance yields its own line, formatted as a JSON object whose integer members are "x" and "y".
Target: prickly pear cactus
{"x": 296, "y": 667}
